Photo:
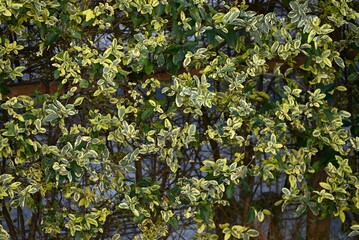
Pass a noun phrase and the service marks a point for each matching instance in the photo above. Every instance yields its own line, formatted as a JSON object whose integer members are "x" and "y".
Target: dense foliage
{"x": 178, "y": 118}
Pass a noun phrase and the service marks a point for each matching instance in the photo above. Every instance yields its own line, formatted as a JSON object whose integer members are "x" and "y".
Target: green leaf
{"x": 186, "y": 62}
{"x": 174, "y": 223}
{"x": 260, "y": 216}
{"x": 194, "y": 12}
{"x": 339, "y": 61}
{"x": 311, "y": 35}
{"x": 300, "y": 210}
{"x": 146, "y": 114}
{"x": 341, "y": 88}
{"x": 294, "y": 5}
{"x": 168, "y": 124}
{"x": 316, "y": 133}
{"x": 78, "y": 101}
{"x": 6, "y": 13}
{"x": 34, "y": 189}
{"x": 266, "y": 212}
{"x": 178, "y": 101}
{"x": 325, "y": 186}
{"x": 179, "y": 56}
{"x": 50, "y": 117}
{"x": 297, "y": 43}
{"x": 230, "y": 16}
{"x": 227, "y": 236}
{"x": 205, "y": 213}
{"x": 316, "y": 21}
{"x": 116, "y": 237}
{"x": 121, "y": 112}
{"x": 252, "y": 233}
{"x": 251, "y": 215}
{"x": 52, "y": 37}
{"x": 148, "y": 66}
{"x": 342, "y": 216}
{"x": 273, "y": 138}
{"x": 191, "y": 130}
{"x": 286, "y": 191}
{"x": 327, "y": 61}
{"x": 353, "y": 234}
{"x": 165, "y": 216}
{"x": 230, "y": 191}
{"x": 325, "y": 29}
{"x": 123, "y": 206}
{"x": 279, "y": 202}
{"x": 84, "y": 83}
{"x": 231, "y": 38}
{"x": 344, "y": 114}
{"x": 19, "y": 69}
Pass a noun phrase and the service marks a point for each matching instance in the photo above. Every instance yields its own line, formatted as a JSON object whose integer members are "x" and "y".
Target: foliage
{"x": 170, "y": 115}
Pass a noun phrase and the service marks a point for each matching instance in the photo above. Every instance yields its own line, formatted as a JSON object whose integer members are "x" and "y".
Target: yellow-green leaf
{"x": 89, "y": 14}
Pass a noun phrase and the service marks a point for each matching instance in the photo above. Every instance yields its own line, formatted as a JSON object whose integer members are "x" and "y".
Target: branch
{"x": 9, "y": 222}
{"x": 35, "y": 217}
